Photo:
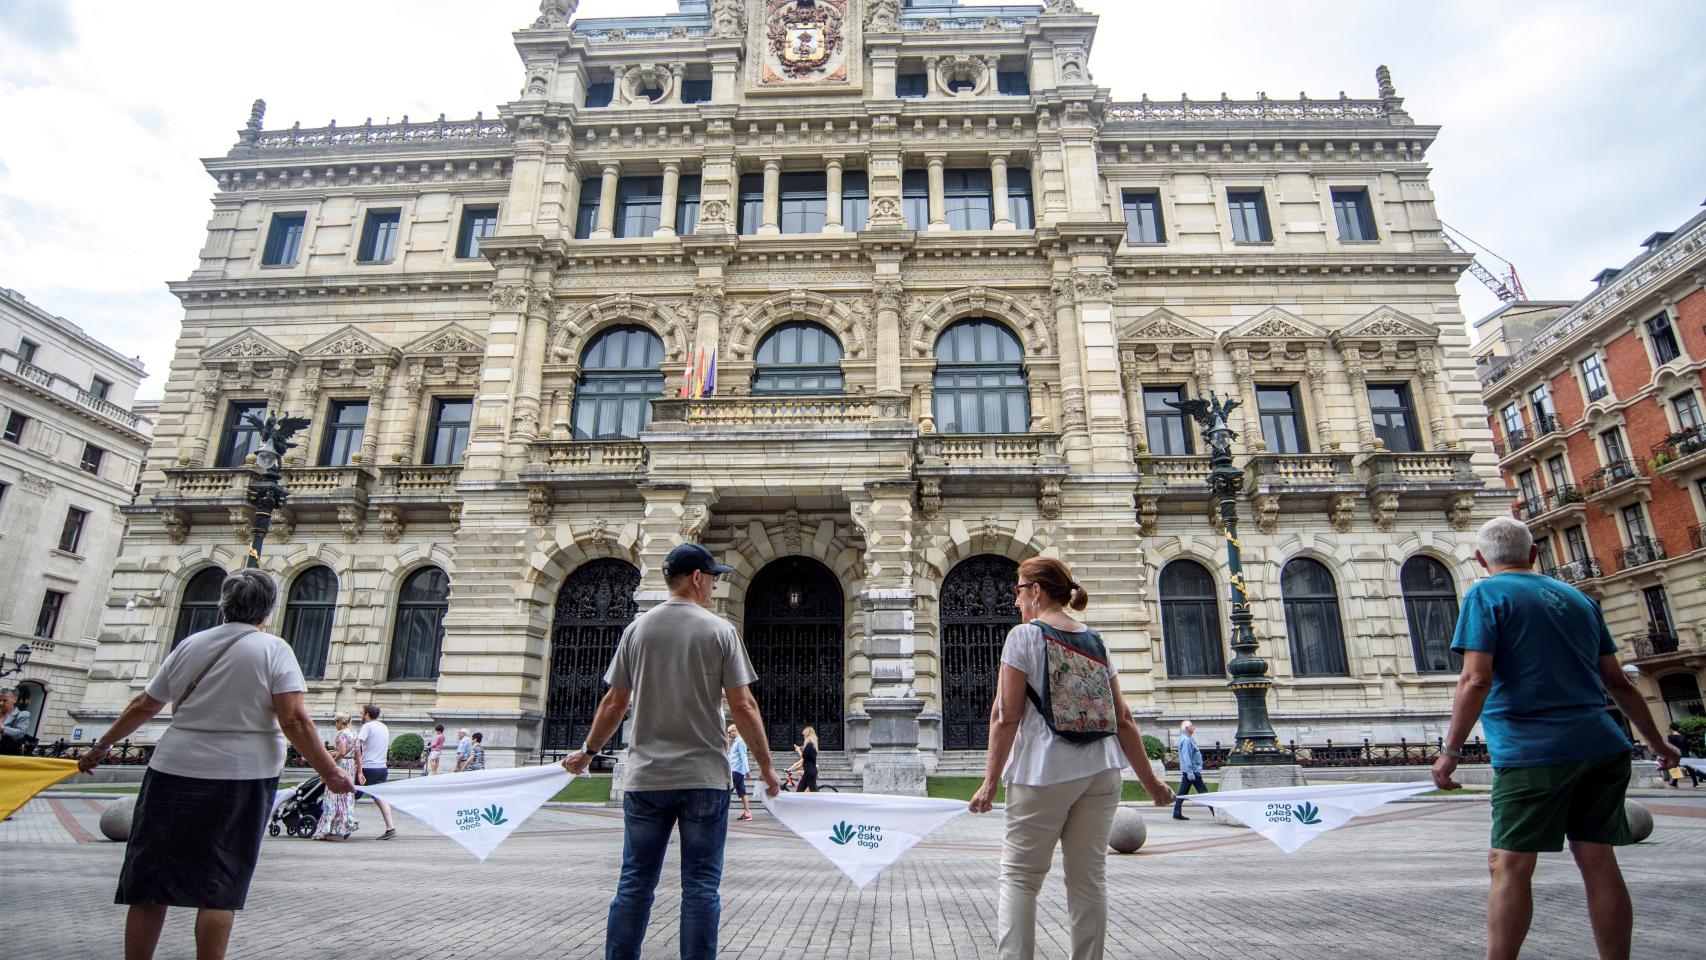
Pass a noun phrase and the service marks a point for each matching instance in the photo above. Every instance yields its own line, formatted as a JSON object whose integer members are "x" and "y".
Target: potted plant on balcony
{"x": 1691, "y": 444}
{"x": 1570, "y": 495}
{"x": 1661, "y": 460}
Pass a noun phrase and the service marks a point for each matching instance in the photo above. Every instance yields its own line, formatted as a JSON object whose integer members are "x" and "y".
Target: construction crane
{"x": 1507, "y": 290}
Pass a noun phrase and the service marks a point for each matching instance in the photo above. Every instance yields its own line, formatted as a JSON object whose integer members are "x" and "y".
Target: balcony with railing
{"x": 67, "y": 390}
{"x": 1614, "y": 478}
{"x": 1023, "y": 454}
{"x": 1521, "y": 437}
{"x": 206, "y": 487}
{"x": 1680, "y": 452}
{"x": 1660, "y": 640}
{"x": 1551, "y": 506}
{"x": 1296, "y": 473}
{"x": 738, "y": 417}
{"x": 1642, "y": 551}
{"x": 1436, "y": 475}
{"x": 1184, "y": 477}
{"x": 1577, "y": 571}
{"x": 1697, "y": 537}
{"x": 404, "y": 482}
{"x": 586, "y": 460}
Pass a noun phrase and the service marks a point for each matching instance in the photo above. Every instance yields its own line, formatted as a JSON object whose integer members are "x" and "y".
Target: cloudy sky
{"x": 1572, "y": 129}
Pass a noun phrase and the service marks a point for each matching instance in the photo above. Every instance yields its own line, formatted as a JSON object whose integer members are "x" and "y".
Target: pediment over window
{"x": 249, "y": 347}
{"x": 1386, "y": 323}
{"x": 350, "y": 342}
{"x": 1166, "y": 326}
{"x": 452, "y": 339}
{"x": 1276, "y": 324}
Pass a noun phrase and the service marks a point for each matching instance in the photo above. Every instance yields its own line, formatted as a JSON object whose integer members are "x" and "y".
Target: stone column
{"x": 671, "y": 193}
{"x": 938, "y": 199}
{"x": 1203, "y": 369}
{"x": 888, "y": 294}
{"x": 530, "y": 364}
{"x": 1359, "y": 397}
{"x": 1323, "y": 416}
{"x": 1134, "y": 404}
{"x": 414, "y": 386}
{"x": 209, "y": 436}
{"x": 607, "y": 203}
{"x": 1253, "y": 439}
{"x": 562, "y": 407}
{"x": 832, "y": 209}
{"x": 1440, "y": 424}
{"x": 708, "y": 303}
{"x": 772, "y": 224}
{"x": 571, "y": 200}
{"x": 998, "y": 188}
{"x": 375, "y": 407}
{"x": 1074, "y": 422}
{"x": 884, "y": 515}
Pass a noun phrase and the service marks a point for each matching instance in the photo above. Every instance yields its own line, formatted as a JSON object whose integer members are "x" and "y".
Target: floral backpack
{"x": 1077, "y": 702}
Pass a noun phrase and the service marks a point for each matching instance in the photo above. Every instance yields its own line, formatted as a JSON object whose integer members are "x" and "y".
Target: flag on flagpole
{"x": 687, "y": 379}
{"x": 21, "y": 778}
{"x": 478, "y": 809}
{"x": 710, "y": 385}
{"x": 862, "y": 834}
{"x": 698, "y": 380}
{"x": 1293, "y": 816}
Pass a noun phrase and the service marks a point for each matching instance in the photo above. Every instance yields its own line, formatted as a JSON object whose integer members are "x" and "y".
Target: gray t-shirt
{"x": 678, "y": 658}
{"x": 228, "y": 730}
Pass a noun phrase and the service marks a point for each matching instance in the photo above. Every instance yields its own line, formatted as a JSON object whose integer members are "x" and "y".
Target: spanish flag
{"x": 21, "y": 778}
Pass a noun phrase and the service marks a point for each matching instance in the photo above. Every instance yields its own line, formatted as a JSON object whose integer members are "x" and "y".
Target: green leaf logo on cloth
{"x": 476, "y": 808}
{"x": 861, "y": 833}
{"x": 493, "y": 815}
{"x": 1293, "y": 816}
{"x": 1307, "y": 814}
{"x": 842, "y": 834}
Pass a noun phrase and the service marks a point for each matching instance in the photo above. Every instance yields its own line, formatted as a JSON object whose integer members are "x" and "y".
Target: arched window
{"x": 199, "y": 609}
{"x": 418, "y": 635}
{"x": 621, "y": 372}
{"x": 1190, "y": 621}
{"x": 308, "y": 618}
{"x": 980, "y": 380}
{"x": 1312, "y": 619}
{"x": 1430, "y": 604}
{"x": 1681, "y": 694}
{"x": 798, "y": 359}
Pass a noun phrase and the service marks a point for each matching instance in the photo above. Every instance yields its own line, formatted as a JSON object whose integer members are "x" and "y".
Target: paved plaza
{"x": 1407, "y": 882}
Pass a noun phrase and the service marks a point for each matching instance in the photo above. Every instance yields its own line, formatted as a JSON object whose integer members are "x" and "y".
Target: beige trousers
{"x": 1079, "y": 815}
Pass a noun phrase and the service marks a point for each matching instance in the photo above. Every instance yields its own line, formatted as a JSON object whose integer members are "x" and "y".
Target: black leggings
{"x": 808, "y": 780}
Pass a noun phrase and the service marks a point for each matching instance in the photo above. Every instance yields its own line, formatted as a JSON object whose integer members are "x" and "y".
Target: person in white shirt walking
{"x": 372, "y": 764}
{"x": 740, "y": 765}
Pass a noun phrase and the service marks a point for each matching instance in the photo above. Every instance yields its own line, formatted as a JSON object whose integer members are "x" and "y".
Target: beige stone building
{"x": 947, "y": 282}
{"x": 70, "y": 455}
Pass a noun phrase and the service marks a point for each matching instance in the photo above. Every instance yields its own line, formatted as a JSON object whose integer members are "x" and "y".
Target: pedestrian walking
{"x": 464, "y": 749}
{"x": 1538, "y": 664}
{"x": 1190, "y": 767}
{"x": 1060, "y": 756}
{"x": 806, "y": 766}
{"x": 202, "y": 809}
{"x": 675, "y": 663}
{"x": 372, "y": 761}
{"x": 476, "y": 752}
{"x": 1680, "y": 742}
{"x": 14, "y": 724}
{"x": 338, "y": 821}
{"x": 740, "y": 764}
{"x": 435, "y": 749}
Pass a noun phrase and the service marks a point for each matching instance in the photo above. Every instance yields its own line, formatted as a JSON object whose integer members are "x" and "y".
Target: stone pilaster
{"x": 883, "y": 512}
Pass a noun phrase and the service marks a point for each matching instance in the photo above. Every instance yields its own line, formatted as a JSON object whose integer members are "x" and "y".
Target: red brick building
{"x": 1597, "y": 415}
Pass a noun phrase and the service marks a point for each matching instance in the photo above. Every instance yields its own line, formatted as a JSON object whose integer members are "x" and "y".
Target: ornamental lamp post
{"x": 1255, "y": 742}
{"x": 20, "y": 657}
{"x": 266, "y": 489}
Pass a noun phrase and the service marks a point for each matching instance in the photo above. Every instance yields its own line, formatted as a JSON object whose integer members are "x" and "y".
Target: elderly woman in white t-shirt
{"x": 1058, "y": 791}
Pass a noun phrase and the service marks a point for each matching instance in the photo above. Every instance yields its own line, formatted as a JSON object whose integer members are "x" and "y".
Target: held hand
{"x": 772, "y": 783}
{"x": 1443, "y": 768}
{"x": 1160, "y": 793}
{"x": 92, "y": 759}
{"x": 577, "y": 762}
{"x": 338, "y": 782}
{"x": 1667, "y": 755}
{"x": 361, "y": 778}
{"x": 983, "y": 800}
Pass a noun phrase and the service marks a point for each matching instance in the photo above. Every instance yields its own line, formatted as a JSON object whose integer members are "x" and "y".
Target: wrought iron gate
{"x": 794, "y": 637}
{"x": 977, "y": 610}
{"x": 594, "y": 606}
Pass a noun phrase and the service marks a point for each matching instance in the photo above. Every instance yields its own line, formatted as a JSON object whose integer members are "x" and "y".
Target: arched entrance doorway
{"x": 794, "y": 637}
{"x": 594, "y": 606}
{"x": 977, "y": 610}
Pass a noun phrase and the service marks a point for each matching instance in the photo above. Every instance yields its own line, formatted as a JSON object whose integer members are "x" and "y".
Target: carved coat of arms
{"x": 805, "y": 40}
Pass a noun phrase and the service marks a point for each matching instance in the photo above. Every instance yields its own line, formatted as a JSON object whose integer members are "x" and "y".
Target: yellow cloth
{"x": 21, "y": 778}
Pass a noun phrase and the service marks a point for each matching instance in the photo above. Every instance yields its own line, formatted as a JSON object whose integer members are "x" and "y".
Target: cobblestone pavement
{"x": 1408, "y": 882}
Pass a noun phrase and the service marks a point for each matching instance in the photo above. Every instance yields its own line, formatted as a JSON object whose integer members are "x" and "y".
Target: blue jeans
{"x": 648, "y": 817}
{"x": 1186, "y": 782}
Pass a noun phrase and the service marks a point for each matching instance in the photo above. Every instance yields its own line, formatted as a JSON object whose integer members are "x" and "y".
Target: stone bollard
{"x": 1129, "y": 831}
{"x": 115, "y": 819}
{"x": 1640, "y": 820}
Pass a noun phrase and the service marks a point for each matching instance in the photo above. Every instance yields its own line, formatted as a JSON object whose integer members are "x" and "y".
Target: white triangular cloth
{"x": 861, "y": 833}
{"x": 1293, "y": 816}
{"x": 479, "y": 808}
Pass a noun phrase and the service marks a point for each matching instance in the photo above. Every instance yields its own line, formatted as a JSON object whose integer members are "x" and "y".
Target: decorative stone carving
{"x": 1094, "y": 286}
{"x": 177, "y": 524}
{"x": 791, "y": 537}
{"x": 1343, "y": 511}
{"x": 1267, "y": 512}
{"x": 36, "y": 483}
{"x": 991, "y": 534}
{"x": 452, "y": 339}
{"x": 930, "y": 497}
{"x": 1048, "y": 498}
{"x": 714, "y": 213}
{"x": 556, "y": 13}
{"x": 509, "y": 297}
{"x": 694, "y": 518}
{"x": 390, "y": 523}
{"x": 1073, "y": 67}
{"x": 885, "y": 212}
{"x": 883, "y": 15}
{"x": 1461, "y": 511}
{"x": 972, "y": 70}
{"x": 1148, "y": 509}
{"x": 540, "y": 503}
{"x": 455, "y": 517}
{"x": 1385, "y": 511}
{"x": 1056, "y": 7}
{"x": 243, "y": 524}
{"x": 726, "y": 17}
{"x": 283, "y": 525}
{"x": 352, "y": 520}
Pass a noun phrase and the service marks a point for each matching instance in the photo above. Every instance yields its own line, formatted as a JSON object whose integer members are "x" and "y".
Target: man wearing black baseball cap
{"x": 675, "y": 663}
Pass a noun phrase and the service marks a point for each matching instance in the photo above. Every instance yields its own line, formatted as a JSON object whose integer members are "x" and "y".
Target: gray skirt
{"x": 194, "y": 842}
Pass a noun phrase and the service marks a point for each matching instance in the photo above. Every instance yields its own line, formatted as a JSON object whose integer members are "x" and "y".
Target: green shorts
{"x": 1535, "y": 808}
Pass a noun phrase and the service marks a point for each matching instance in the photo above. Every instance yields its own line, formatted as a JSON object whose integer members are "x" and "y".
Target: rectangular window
{"x": 15, "y": 423}
{"x": 1020, "y": 199}
{"x": 855, "y": 200}
{"x": 447, "y": 436}
{"x": 1635, "y": 524}
{"x": 1169, "y": 429}
{"x": 599, "y": 94}
{"x": 1593, "y": 375}
{"x": 1282, "y": 419}
{"x": 687, "y": 199}
{"x": 1510, "y": 418}
{"x": 1658, "y": 610}
{"x": 99, "y": 388}
{"x": 477, "y": 223}
{"x": 1143, "y": 217}
{"x": 284, "y": 239}
{"x": 1576, "y": 544}
{"x": 639, "y": 206}
{"x": 751, "y": 203}
{"x": 1663, "y": 336}
{"x": 27, "y": 350}
{"x": 379, "y": 236}
{"x": 696, "y": 91}
{"x": 92, "y": 457}
{"x": 1556, "y": 473}
{"x": 1249, "y": 211}
{"x": 915, "y": 199}
{"x": 240, "y": 437}
{"x": 1540, "y": 402}
{"x": 1548, "y": 561}
{"x": 1687, "y": 411}
{"x": 968, "y": 199}
{"x": 1529, "y": 484}
{"x": 1394, "y": 416}
{"x": 1351, "y": 208}
{"x": 804, "y": 202}
{"x": 71, "y": 532}
{"x": 47, "y": 621}
{"x": 911, "y": 86}
{"x": 344, "y": 433}
{"x": 1013, "y": 83}
{"x": 1612, "y": 442}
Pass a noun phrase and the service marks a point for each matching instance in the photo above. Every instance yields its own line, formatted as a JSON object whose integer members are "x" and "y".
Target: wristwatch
{"x": 1452, "y": 753}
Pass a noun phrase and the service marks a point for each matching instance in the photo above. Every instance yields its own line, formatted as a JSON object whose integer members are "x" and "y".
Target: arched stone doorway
{"x": 594, "y": 606}
{"x": 977, "y": 611}
{"x": 794, "y": 622}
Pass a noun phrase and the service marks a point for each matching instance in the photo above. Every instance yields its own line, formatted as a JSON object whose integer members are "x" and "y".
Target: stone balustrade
{"x": 218, "y": 484}
{"x": 1300, "y": 469}
{"x": 1000, "y": 449}
{"x": 1227, "y": 110}
{"x": 586, "y": 456}
{"x": 1178, "y": 471}
{"x": 742, "y": 414}
{"x": 413, "y": 481}
{"x": 1431, "y": 467}
{"x": 382, "y": 134}
{"x": 67, "y": 390}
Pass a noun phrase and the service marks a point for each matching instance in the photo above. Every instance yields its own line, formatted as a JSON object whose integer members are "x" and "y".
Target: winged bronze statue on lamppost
{"x": 1256, "y": 742}
{"x": 266, "y": 487}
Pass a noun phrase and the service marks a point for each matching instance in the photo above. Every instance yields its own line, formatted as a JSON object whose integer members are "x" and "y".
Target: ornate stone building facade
{"x": 947, "y": 282}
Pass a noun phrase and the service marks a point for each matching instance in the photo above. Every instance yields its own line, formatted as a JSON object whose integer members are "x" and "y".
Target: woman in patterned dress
{"x": 338, "y": 822}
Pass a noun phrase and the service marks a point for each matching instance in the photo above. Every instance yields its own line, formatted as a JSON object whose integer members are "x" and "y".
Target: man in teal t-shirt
{"x": 1538, "y": 663}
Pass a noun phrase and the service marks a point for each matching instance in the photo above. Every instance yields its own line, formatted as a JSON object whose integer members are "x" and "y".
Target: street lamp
{"x": 20, "y": 657}
{"x": 1255, "y": 742}
{"x": 266, "y": 491}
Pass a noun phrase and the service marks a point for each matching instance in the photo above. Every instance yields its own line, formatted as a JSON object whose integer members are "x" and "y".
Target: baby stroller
{"x": 299, "y": 812}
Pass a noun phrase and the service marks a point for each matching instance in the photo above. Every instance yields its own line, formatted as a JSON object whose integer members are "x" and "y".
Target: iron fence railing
{"x": 1610, "y": 475}
{"x": 122, "y": 754}
{"x": 1697, "y": 536}
{"x": 1642, "y": 551}
{"x": 1576, "y": 571}
{"x": 1658, "y": 641}
{"x": 1681, "y": 444}
{"x": 1353, "y": 754}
